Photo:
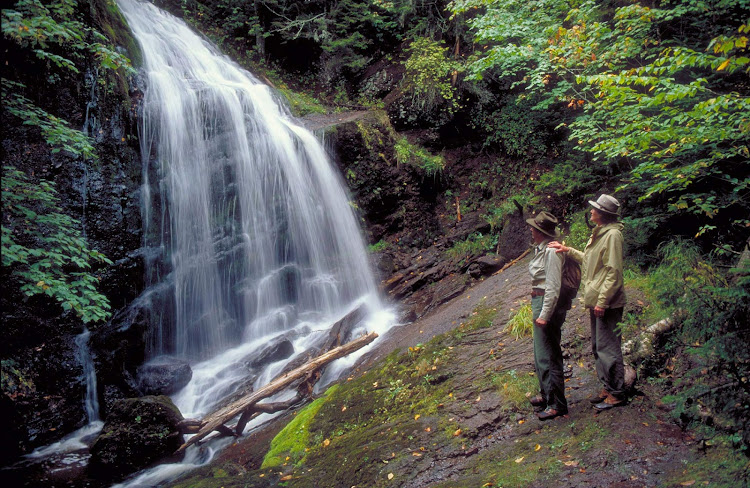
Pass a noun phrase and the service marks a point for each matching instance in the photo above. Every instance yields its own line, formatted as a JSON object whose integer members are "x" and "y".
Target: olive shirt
{"x": 545, "y": 268}
{"x": 601, "y": 267}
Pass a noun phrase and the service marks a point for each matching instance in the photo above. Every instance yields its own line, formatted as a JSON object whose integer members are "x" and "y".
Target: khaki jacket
{"x": 601, "y": 267}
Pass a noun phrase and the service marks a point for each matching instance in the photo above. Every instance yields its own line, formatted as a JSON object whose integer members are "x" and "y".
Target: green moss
{"x": 301, "y": 103}
{"x": 719, "y": 468}
{"x": 514, "y": 388}
{"x": 291, "y": 443}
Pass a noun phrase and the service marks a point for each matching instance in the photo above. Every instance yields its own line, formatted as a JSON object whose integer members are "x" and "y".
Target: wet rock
{"x": 138, "y": 433}
{"x": 277, "y": 350}
{"x": 486, "y": 265}
{"x": 163, "y": 375}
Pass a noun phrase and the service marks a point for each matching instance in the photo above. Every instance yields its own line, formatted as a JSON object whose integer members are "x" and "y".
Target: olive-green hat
{"x": 546, "y": 223}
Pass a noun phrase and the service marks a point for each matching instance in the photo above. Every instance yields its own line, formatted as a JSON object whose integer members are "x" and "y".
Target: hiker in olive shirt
{"x": 604, "y": 296}
{"x": 548, "y": 315}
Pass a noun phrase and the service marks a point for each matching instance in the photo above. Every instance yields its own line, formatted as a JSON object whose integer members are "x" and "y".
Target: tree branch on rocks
{"x": 248, "y": 406}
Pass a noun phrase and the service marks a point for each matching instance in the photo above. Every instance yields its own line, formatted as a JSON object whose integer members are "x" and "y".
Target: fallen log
{"x": 244, "y": 405}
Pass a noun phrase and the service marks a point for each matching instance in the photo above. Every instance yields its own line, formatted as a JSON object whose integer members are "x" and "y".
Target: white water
{"x": 256, "y": 233}
{"x": 68, "y": 450}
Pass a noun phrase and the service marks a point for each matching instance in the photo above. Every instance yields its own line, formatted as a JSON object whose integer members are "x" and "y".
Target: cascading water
{"x": 255, "y": 235}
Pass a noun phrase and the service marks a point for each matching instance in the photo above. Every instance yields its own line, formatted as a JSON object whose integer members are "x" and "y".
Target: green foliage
{"x": 15, "y": 381}
{"x": 656, "y": 92}
{"x": 686, "y": 141}
{"x": 571, "y": 178}
{"x": 43, "y": 250}
{"x": 301, "y": 103}
{"x": 56, "y": 38}
{"x": 579, "y": 233}
{"x": 514, "y": 127}
{"x": 515, "y": 389}
{"x": 379, "y": 246}
{"x": 711, "y": 307}
{"x": 408, "y": 153}
{"x": 475, "y": 244}
{"x": 57, "y": 132}
{"x": 496, "y": 214}
{"x": 428, "y": 75}
{"x": 519, "y": 325}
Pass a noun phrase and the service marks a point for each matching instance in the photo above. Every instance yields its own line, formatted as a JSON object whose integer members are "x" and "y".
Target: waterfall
{"x": 90, "y": 402}
{"x": 255, "y": 235}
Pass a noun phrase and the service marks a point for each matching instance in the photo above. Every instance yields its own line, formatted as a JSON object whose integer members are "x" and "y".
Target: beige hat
{"x": 607, "y": 204}
{"x": 545, "y": 223}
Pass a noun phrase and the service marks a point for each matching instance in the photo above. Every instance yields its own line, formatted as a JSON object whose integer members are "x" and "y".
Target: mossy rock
{"x": 138, "y": 433}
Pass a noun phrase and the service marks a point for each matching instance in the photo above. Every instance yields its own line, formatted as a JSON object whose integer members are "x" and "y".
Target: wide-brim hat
{"x": 546, "y": 223}
{"x": 607, "y": 204}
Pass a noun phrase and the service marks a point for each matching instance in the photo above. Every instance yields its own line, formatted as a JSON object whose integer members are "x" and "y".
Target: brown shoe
{"x": 538, "y": 401}
{"x": 610, "y": 402}
{"x": 550, "y": 413}
{"x": 599, "y": 397}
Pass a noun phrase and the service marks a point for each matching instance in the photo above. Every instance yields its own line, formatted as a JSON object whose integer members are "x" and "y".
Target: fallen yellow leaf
{"x": 537, "y": 447}
{"x": 519, "y": 460}
{"x": 521, "y": 421}
{"x": 571, "y": 463}
{"x": 457, "y": 433}
{"x": 416, "y": 454}
{"x": 687, "y": 483}
{"x": 416, "y": 417}
{"x": 428, "y": 429}
{"x": 390, "y": 476}
{"x": 326, "y": 442}
{"x": 343, "y": 409}
{"x": 286, "y": 478}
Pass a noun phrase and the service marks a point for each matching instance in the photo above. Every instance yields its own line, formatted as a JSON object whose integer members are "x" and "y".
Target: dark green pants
{"x": 606, "y": 344}
{"x": 548, "y": 359}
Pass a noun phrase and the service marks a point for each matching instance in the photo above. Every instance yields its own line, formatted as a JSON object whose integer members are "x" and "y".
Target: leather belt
{"x": 537, "y": 292}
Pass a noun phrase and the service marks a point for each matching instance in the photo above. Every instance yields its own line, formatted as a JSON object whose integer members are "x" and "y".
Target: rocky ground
{"x": 442, "y": 402}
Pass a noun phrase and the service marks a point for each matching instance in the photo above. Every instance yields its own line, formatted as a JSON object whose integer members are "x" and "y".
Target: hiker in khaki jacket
{"x": 604, "y": 296}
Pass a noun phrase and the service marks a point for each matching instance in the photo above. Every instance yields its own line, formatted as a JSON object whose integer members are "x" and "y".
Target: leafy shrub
{"x": 407, "y": 153}
{"x": 711, "y": 307}
{"x": 44, "y": 251}
{"x": 379, "y": 246}
{"x": 474, "y": 244}
{"x": 496, "y": 215}
{"x": 579, "y": 232}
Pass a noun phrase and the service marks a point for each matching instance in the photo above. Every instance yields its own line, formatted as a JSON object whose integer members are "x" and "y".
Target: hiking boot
{"x": 599, "y": 397}
{"x": 550, "y": 413}
{"x": 610, "y": 402}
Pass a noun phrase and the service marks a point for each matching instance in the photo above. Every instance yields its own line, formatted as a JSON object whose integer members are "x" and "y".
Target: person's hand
{"x": 599, "y": 311}
{"x": 541, "y": 322}
{"x": 558, "y": 246}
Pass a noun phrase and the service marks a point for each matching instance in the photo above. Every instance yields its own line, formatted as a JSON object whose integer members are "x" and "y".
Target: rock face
{"x": 138, "y": 433}
{"x": 163, "y": 375}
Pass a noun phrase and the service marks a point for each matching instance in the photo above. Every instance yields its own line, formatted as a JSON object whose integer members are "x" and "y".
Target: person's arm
{"x": 553, "y": 281}
{"x": 613, "y": 266}
{"x": 574, "y": 253}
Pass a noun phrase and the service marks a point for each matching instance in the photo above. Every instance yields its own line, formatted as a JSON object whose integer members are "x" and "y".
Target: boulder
{"x": 163, "y": 375}
{"x": 138, "y": 433}
{"x": 277, "y": 350}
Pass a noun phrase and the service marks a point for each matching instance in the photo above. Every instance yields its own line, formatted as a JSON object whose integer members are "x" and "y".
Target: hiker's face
{"x": 596, "y": 216}
{"x": 537, "y": 236}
